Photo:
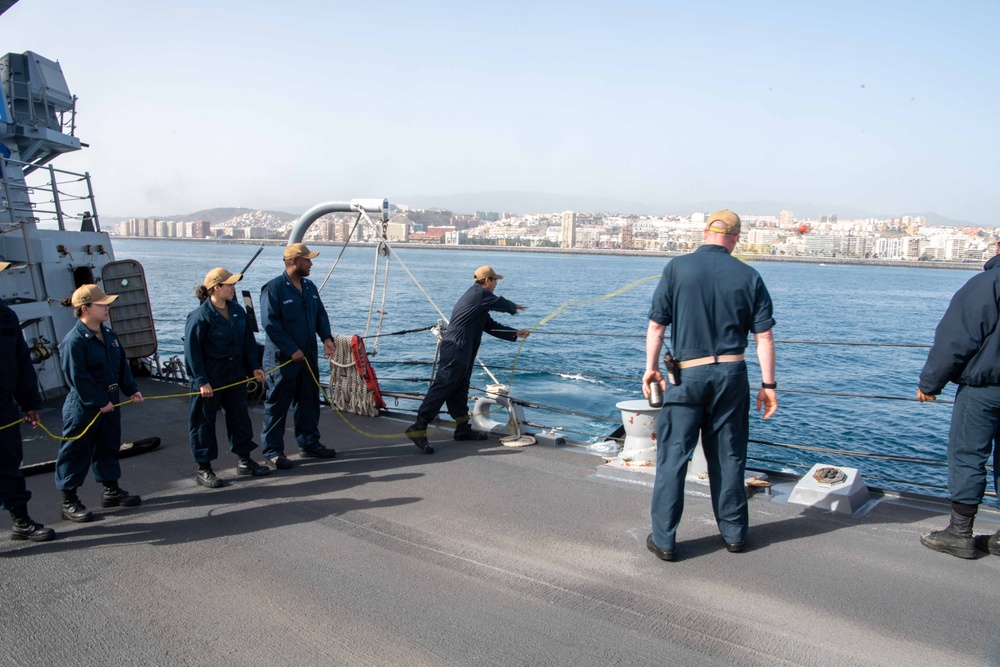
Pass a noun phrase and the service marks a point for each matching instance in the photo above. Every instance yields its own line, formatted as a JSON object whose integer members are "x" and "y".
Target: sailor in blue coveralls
{"x": 95, "y": 368}
{"x": 459, "y": 347}
{"x": 711, "y": 301}
{"x": 966, "y": 351}
{"x": 293, "y": 316}
{"x": 18, "y": 391}
{"x": 219, "y": 350}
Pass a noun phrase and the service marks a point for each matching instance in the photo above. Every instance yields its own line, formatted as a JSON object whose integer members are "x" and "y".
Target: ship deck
{"x": 478, "y": 554}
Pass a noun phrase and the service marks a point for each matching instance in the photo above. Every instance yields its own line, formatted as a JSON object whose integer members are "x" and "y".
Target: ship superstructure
{"x": 49, "y": 226}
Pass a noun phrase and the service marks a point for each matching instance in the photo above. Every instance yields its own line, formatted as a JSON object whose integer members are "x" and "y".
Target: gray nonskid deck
{"x": 476, "y": 554}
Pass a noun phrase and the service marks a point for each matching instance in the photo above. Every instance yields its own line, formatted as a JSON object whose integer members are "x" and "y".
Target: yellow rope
{"x": 149, "y": 398}
{"x": 575, "y": 303}
{"x": 572, "y": 303}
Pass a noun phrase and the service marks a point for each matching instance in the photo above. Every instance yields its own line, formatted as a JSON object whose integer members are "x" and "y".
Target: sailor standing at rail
{"x": 459, "y": 347}
{"x": 711, "y": 301}
{"x": 293, "y": 316}
{"x": 966, "y": 351}
{"x": 95, "y": 368}
{"x": 220, "y": 350}
{"x": 18, "y": 391}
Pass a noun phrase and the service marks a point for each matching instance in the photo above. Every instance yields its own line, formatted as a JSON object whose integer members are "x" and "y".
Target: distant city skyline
{"x": 876, "y": 107}
{"x": 904, "y": 239}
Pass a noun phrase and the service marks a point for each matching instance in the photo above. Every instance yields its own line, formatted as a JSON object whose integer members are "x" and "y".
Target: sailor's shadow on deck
{"x": 808, "y": 523}
{"x": 283, "y": 504}
{"x": 224, "y": 521}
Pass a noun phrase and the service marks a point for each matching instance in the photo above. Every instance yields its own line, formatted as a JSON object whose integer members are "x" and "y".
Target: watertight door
{"x": 131, "y": 314}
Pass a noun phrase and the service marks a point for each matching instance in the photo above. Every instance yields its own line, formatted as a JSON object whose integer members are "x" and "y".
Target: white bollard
{"x": 639, "y": 420}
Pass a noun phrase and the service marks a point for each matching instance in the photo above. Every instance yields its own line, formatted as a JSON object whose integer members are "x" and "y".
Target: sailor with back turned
{"x": 711, "y": 301}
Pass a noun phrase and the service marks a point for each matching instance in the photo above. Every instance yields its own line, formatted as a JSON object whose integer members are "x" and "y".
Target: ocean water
{"x": 567, "y": 295}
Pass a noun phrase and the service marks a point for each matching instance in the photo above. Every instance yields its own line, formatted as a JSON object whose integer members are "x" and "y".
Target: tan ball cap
{"x": 220, "y": 276}
{"x": 4, "y": 265}
{"x": 723, "y": 222}
{"x": 484, "y": 272}
{"x": 299, "y": 250}
{"x": 89, "y": 295}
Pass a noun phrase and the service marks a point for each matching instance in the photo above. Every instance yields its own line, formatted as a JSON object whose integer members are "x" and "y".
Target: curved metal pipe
{"x": 319, "y": 210}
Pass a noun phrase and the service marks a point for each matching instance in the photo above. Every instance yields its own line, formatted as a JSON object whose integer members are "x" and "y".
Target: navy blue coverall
{"x": 711, "y": 301}
{"x": 966, "y": 351}
{"x": 18, "y": 387}
{"x": 459, "y": 347}
{"x": 219, "y": 352}
{"x": 96, "y": 371}
{"x": 292, "y": 320}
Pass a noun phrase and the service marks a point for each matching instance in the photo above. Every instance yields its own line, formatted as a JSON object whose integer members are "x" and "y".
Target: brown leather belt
{"x": 704, "y": 361}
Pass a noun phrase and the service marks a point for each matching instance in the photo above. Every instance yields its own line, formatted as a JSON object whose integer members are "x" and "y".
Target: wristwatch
{"x": 768, "y": 385}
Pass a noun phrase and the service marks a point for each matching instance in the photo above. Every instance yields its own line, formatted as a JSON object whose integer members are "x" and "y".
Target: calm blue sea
{"x": 589, "y": 374}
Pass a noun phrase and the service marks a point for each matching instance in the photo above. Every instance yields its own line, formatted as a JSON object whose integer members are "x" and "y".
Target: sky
{"x": 888, "y": 107}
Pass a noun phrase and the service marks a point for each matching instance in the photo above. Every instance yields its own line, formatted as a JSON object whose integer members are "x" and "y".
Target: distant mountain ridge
{"x": 216, "y": 215}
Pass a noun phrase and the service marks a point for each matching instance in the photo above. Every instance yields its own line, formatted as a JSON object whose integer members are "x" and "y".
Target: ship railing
{"x": 613, "y": 422}
{"x": 53, "y": 196}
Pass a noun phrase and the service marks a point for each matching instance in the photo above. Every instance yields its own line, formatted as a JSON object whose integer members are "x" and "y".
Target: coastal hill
{"x": 220, "y": 215}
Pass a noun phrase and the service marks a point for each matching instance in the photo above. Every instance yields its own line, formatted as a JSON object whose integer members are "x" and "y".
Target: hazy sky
{"x": 886, "y": 106}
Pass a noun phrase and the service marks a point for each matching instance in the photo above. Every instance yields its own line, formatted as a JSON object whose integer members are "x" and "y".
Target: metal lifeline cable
{"x": 589, "y": 300}
{"x": 852, "y": 343}
{"x": 784, "y": 342}
{"x": 865, "y": 455}
{"x": 382, "y": 312}
{"x": 346, "y": 241}
{"x": 872, "y": 396}
{"x": 417, "y": 283}
{"x": 633, "y": 377}
{"x": 577, "y": 333}
{"x": 549, "y": 408}
{"x": 522, "y": 370}
{"x": 575, "y": 303}
{"x": 381, "y": 249}
{"x": 435, "y": 306}
{"x": 371, "y": 299}
{"x": 400, "y": 333}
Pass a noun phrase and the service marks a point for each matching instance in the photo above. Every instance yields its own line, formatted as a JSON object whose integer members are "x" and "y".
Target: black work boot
{"x": 989, "y": 543}
{"x": 464, "y": 431}
{"x": 115, "y": 496}
{"x": 957, "y": 538}
{"x": 206, "y": 477}
{"x": 418, "y": 434}
{"x": 250, "y": 468}
{"x": 24, "y": 528}
{"x": 73, "y": 510}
